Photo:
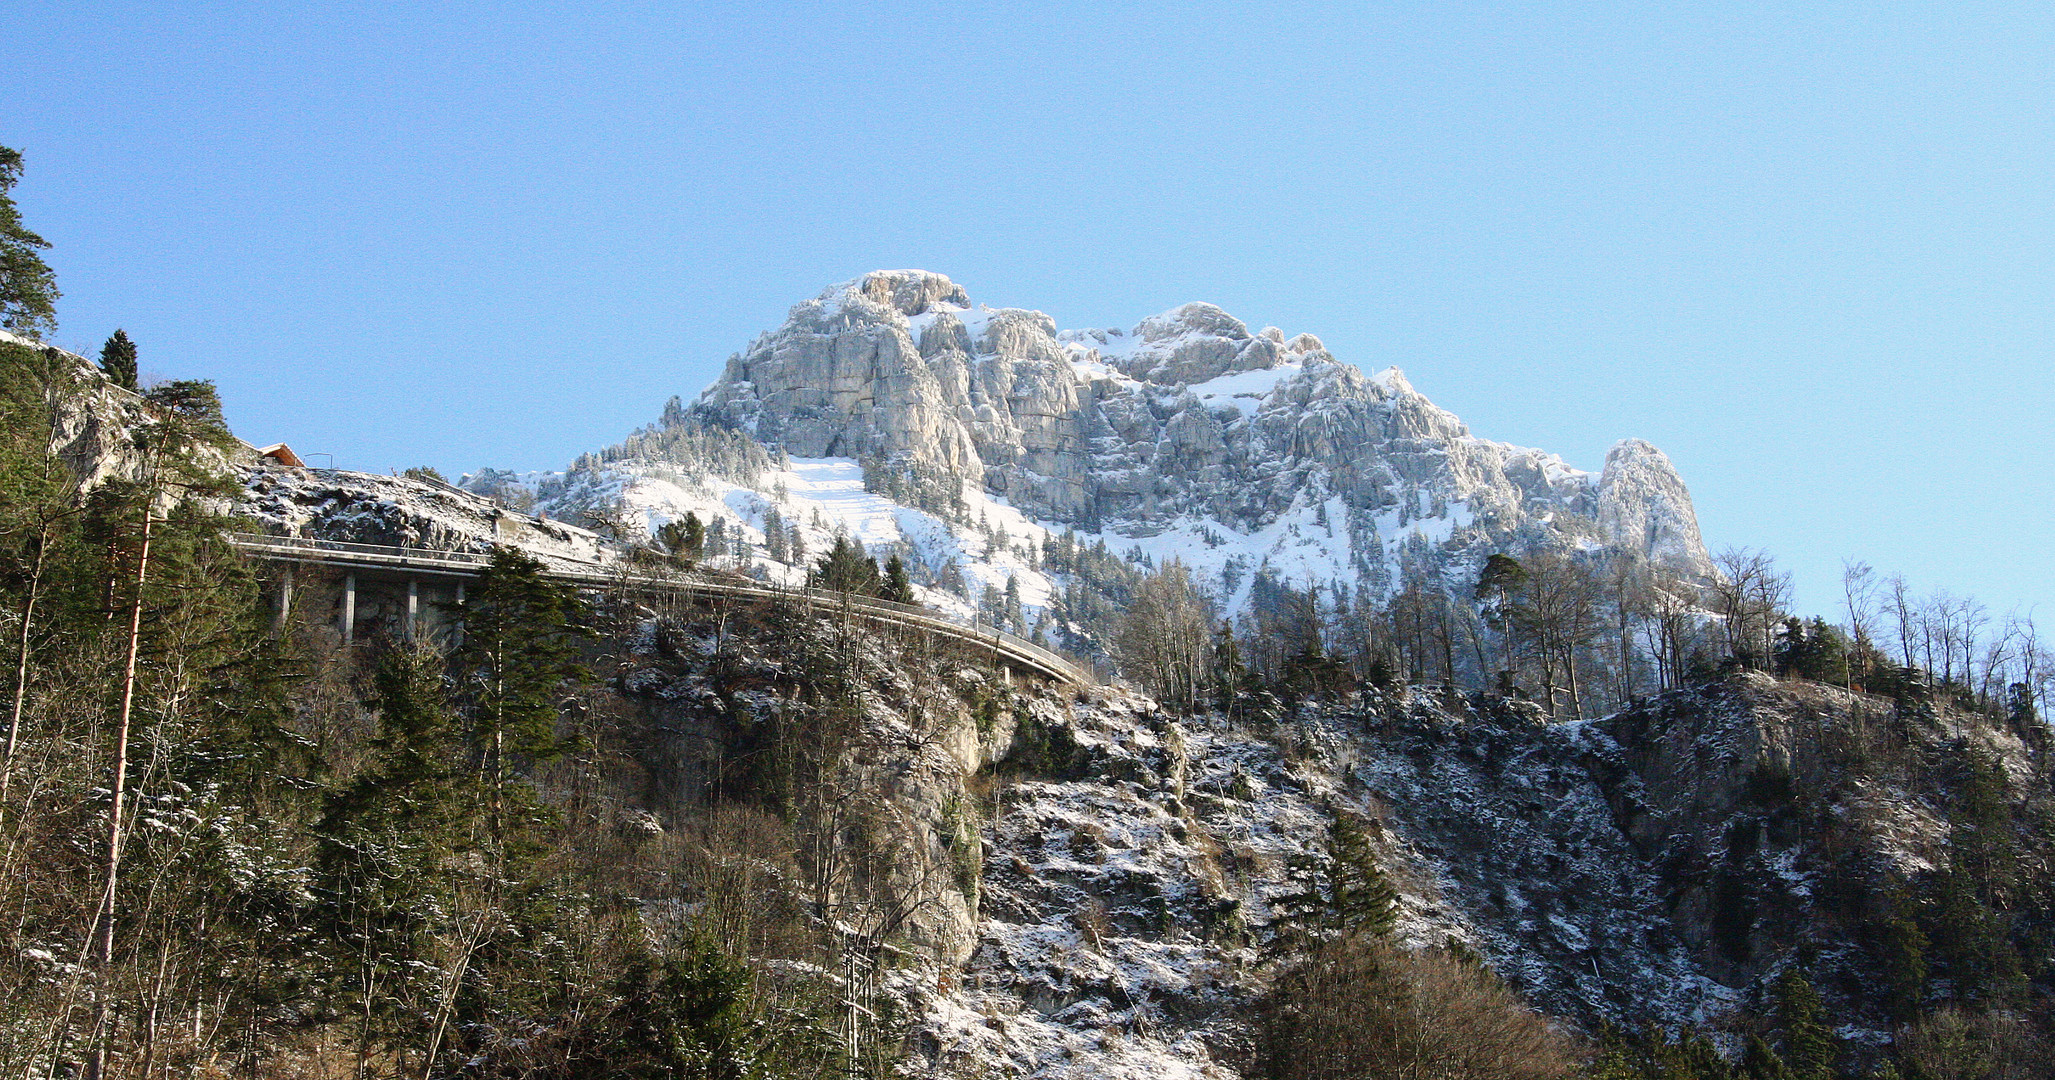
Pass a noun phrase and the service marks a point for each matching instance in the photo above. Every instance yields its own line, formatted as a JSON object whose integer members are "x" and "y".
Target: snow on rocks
{"x": 403, "y": 511}
{"x": 1188, "y": 436}
{"x": 1130, "y": 878}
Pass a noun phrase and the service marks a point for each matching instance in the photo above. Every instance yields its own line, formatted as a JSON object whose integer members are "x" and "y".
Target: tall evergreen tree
{"x": 1360, "y": 895}
{"x": 1010, "y": 605}
{"x": 1900, "y": 951}
{"x": 1759, "y": 1062}
{"x": 1805, "y": 1041}
{"x": 386, "y": 843}
{"x": 1347, "y": 895}
{"x": 28, "y": 288}
{"x": 118, "y": 360}
{"x": 518, "y": 664}
{"x": 774, "y": 541}
{"x": 418, "y": 740}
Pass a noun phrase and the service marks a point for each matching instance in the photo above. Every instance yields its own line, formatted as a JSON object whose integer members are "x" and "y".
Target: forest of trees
{"x": 1581, "y": 634}
{"x": 231, "y": 845}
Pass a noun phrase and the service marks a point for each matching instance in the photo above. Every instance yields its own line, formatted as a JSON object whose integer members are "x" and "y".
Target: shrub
{"x": 1364, "y": 1008}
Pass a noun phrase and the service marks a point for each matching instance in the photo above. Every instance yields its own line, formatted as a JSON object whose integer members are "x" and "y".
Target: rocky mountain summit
{"x": 1190, "y": 435}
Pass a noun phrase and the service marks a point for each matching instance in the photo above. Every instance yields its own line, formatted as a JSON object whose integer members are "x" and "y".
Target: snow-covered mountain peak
{"x": 1192, "y": 344}
{"x": 1243, "y": 454}
{"x": 906, "y": 292}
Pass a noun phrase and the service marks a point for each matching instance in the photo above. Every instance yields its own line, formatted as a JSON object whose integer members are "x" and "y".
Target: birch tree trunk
{"x": 103, "y": 942}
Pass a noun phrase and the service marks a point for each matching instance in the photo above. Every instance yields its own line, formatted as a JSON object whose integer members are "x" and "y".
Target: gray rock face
{"x": 94, "y": 432}
{"x": 1642, "y": 502}
{"x": 1188, "y": 416}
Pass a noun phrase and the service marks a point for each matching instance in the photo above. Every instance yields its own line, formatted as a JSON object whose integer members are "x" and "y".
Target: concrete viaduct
{"x": 410, "y": 590}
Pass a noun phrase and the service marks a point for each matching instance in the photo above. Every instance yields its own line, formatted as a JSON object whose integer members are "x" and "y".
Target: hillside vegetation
{"x": 1533, "y": 807}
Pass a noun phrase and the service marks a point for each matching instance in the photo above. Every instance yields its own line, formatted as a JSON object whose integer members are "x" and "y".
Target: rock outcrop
{"x": 1664, "y": 865}
{"x": 1189, "y": 417}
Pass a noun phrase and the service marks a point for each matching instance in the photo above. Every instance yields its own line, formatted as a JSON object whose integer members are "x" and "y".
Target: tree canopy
{"x": 28, "y": 287}
{"x": 845, "y": 568}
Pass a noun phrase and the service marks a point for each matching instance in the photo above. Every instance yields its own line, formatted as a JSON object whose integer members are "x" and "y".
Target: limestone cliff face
{"x": 94, "y": 431}
{"x": 1188, "y": 416}
{"x": 1642, "y": 501}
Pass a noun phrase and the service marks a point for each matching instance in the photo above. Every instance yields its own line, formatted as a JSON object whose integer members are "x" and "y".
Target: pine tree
{"x": 28, "y": 288}
{"x": 418, "y": 736}
{"x": 386, "y": 843}
{"x": 1900, "y": 949}
{"x": 774, "y": 535}
{"x": 1812, "y": 650}
{"x": 1362, "y": 898}
{"x": 694, "y": 538}
{"x": 518, "y": 663}
{"x": 896, "y": 588}
{"x": 1010, "y": 608}
{"x": 1759, "y": 1062}
{"x": 1807, "y": 1044}
{"x": 2019, "y": 707}
{"x": 118, "y": 360}
{"x": 684, "y": 539}
{"x": 1501, "y": 578}
{"x": 845, "y": 568}
{"x": 1346, "y": 895}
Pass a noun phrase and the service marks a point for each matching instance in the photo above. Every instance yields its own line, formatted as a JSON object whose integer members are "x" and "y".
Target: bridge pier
{"x": 285, "y": 599}
{"x": 349, "y": 609}
{"x": 412, "y": 628}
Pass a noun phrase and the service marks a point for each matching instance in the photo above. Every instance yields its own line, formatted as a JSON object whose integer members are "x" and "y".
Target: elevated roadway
{"x": 1012, "y": 651}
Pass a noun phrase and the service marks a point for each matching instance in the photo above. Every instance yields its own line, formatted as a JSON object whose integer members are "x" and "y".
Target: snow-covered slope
{"x": 952, "y": 559}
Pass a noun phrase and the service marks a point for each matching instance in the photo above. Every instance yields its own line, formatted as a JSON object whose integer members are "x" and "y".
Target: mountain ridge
{"x": 1240, "y": 453}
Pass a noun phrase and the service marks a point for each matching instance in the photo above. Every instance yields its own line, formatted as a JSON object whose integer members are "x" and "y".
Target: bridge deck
{"x": 1011, "y": 649}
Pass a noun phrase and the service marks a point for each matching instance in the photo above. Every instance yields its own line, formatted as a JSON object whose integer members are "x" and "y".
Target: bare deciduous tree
{"x": 1749, "y": 594}
{"x": 1560, "y": 617}
{"x": 1162, "y": 639}
{"x": 1858, "y": 594}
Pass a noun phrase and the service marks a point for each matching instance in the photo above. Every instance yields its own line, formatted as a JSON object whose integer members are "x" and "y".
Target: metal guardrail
{"x": 297, "y": 549}
{"x": 298, "y": 543}
{"x": 468, "y": 563}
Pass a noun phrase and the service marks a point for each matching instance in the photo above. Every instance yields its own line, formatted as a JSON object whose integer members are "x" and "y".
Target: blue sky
{"x": 1808, "y": 249}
